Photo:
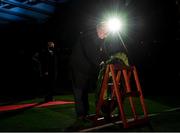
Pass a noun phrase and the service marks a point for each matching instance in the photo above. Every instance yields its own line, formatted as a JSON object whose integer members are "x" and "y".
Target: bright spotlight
{"x": 114, "y": 25}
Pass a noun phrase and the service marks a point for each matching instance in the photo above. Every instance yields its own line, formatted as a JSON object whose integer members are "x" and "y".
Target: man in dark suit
{"x": 86, "y": 58}
{"x": 49, "y": 70}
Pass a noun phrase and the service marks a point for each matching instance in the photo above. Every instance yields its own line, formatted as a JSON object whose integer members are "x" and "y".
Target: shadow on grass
{"x": 171, "y": 101}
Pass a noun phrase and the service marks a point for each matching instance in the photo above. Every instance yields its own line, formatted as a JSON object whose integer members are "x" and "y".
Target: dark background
{"x": 152, "y": 42}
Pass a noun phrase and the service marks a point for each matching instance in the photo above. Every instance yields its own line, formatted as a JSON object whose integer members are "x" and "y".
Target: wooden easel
{"x": 117, "y": 73}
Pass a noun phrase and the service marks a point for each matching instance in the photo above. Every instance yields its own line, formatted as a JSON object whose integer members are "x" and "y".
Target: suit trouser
{"x": 81, "y": 88}
{"x": 49, "y": 86}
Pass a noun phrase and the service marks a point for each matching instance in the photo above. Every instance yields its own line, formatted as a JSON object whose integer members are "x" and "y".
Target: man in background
{"x": 49, "y": 70}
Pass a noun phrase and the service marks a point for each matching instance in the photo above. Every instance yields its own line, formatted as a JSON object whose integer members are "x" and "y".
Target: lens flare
{"x": 114, "y": 25}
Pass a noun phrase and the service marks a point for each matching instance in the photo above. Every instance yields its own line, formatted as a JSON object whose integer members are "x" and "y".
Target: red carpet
{"x": 14, "y": 107}
{"x": 21, "y": 106}
{"x": 54, "y": 103}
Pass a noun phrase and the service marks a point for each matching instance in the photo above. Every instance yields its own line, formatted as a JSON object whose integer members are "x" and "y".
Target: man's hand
{"x": 102, "y": 63}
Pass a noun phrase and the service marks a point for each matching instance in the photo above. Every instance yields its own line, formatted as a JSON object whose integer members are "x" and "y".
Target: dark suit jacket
{"x": 49, "y": 63}
{"x": 86, "y": 55}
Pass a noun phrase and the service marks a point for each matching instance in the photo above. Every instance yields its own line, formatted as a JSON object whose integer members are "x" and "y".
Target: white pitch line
{"x": 97, "y": 127}
{"x": 118, "y": 122}
{"x": 166, "y": 110}
{"x": 173, "y": 109}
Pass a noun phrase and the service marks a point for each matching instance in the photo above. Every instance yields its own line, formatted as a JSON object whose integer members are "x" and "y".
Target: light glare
{"x": 114, "y": 25}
